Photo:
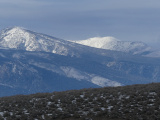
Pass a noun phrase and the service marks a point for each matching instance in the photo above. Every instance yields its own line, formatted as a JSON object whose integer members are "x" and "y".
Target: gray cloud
{"x": 71, "y": 19}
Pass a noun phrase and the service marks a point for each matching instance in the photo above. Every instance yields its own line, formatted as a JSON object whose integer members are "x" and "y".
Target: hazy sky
{"x": 128, "y": 20}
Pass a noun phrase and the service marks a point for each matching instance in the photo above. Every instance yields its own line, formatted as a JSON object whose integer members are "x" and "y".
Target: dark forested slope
{"x": 138, "y": 102}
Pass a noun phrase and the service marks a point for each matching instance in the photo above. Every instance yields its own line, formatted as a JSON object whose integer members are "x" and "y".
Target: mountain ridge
{"x": 21, "y": 38}
{"x": 111, "y": 43}
{"x": 24, "y": 39}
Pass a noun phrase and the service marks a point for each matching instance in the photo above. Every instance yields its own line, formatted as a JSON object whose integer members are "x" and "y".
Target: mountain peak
{"x": 98, "y": 42}
{"x": 111, "y": 43}
{"x": 23, "y": 39}
{"x": 12, "y": 30}
{"x": 18, "y": 38}
{"x": 16, "y": 29}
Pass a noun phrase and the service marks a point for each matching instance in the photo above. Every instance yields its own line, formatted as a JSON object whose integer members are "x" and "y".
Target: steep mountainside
{"x": 31, "y": 62}
{"x": 137, "y": 102}
{"x": 20, "y": 38}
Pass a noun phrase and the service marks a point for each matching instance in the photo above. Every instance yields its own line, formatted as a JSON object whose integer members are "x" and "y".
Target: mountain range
{"x": 32, "y": 62}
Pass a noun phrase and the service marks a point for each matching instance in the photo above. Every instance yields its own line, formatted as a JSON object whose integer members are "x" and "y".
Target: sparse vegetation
{"x": 136, "y": 102}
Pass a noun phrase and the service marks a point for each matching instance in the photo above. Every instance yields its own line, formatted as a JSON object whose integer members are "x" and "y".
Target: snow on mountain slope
{"x": 112, "y": 43}
{"x": 79, "y": 75}
{"x": 154, "y": 54}
{"x": 71, "y": 72}
{"x": 20, "y": 38}
{"x": 26, "y": 72}
{"x": 23, "y": 39}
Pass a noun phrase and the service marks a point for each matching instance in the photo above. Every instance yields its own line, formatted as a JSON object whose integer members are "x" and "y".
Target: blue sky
{"x": 126, "y": 20}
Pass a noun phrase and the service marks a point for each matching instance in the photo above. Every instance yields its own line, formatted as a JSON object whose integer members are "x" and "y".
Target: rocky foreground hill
{"x": 136, "y": 102}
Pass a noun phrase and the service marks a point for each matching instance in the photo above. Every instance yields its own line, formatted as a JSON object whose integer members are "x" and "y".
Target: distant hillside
{"x": 111, "y": 43}
{"x": 32, "y": 62}
{"x": 136, "y": 102}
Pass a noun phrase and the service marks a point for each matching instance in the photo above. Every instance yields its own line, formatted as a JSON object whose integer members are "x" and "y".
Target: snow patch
{"x": 110, "y": 64}
{"x": 77, "y": 74}
{"x": 155, "y": 54}
{"x": 73, "y": 73}
{"x": 2, "y": 55}
{"x": 104, "y": 82}
{"x": 6, "y": 85}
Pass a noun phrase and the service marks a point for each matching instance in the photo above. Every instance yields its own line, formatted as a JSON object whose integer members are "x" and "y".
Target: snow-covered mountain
{"x": 23, "y": 39}
{"x": 31, "y": 62}
{"x": 111, "y": 43}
